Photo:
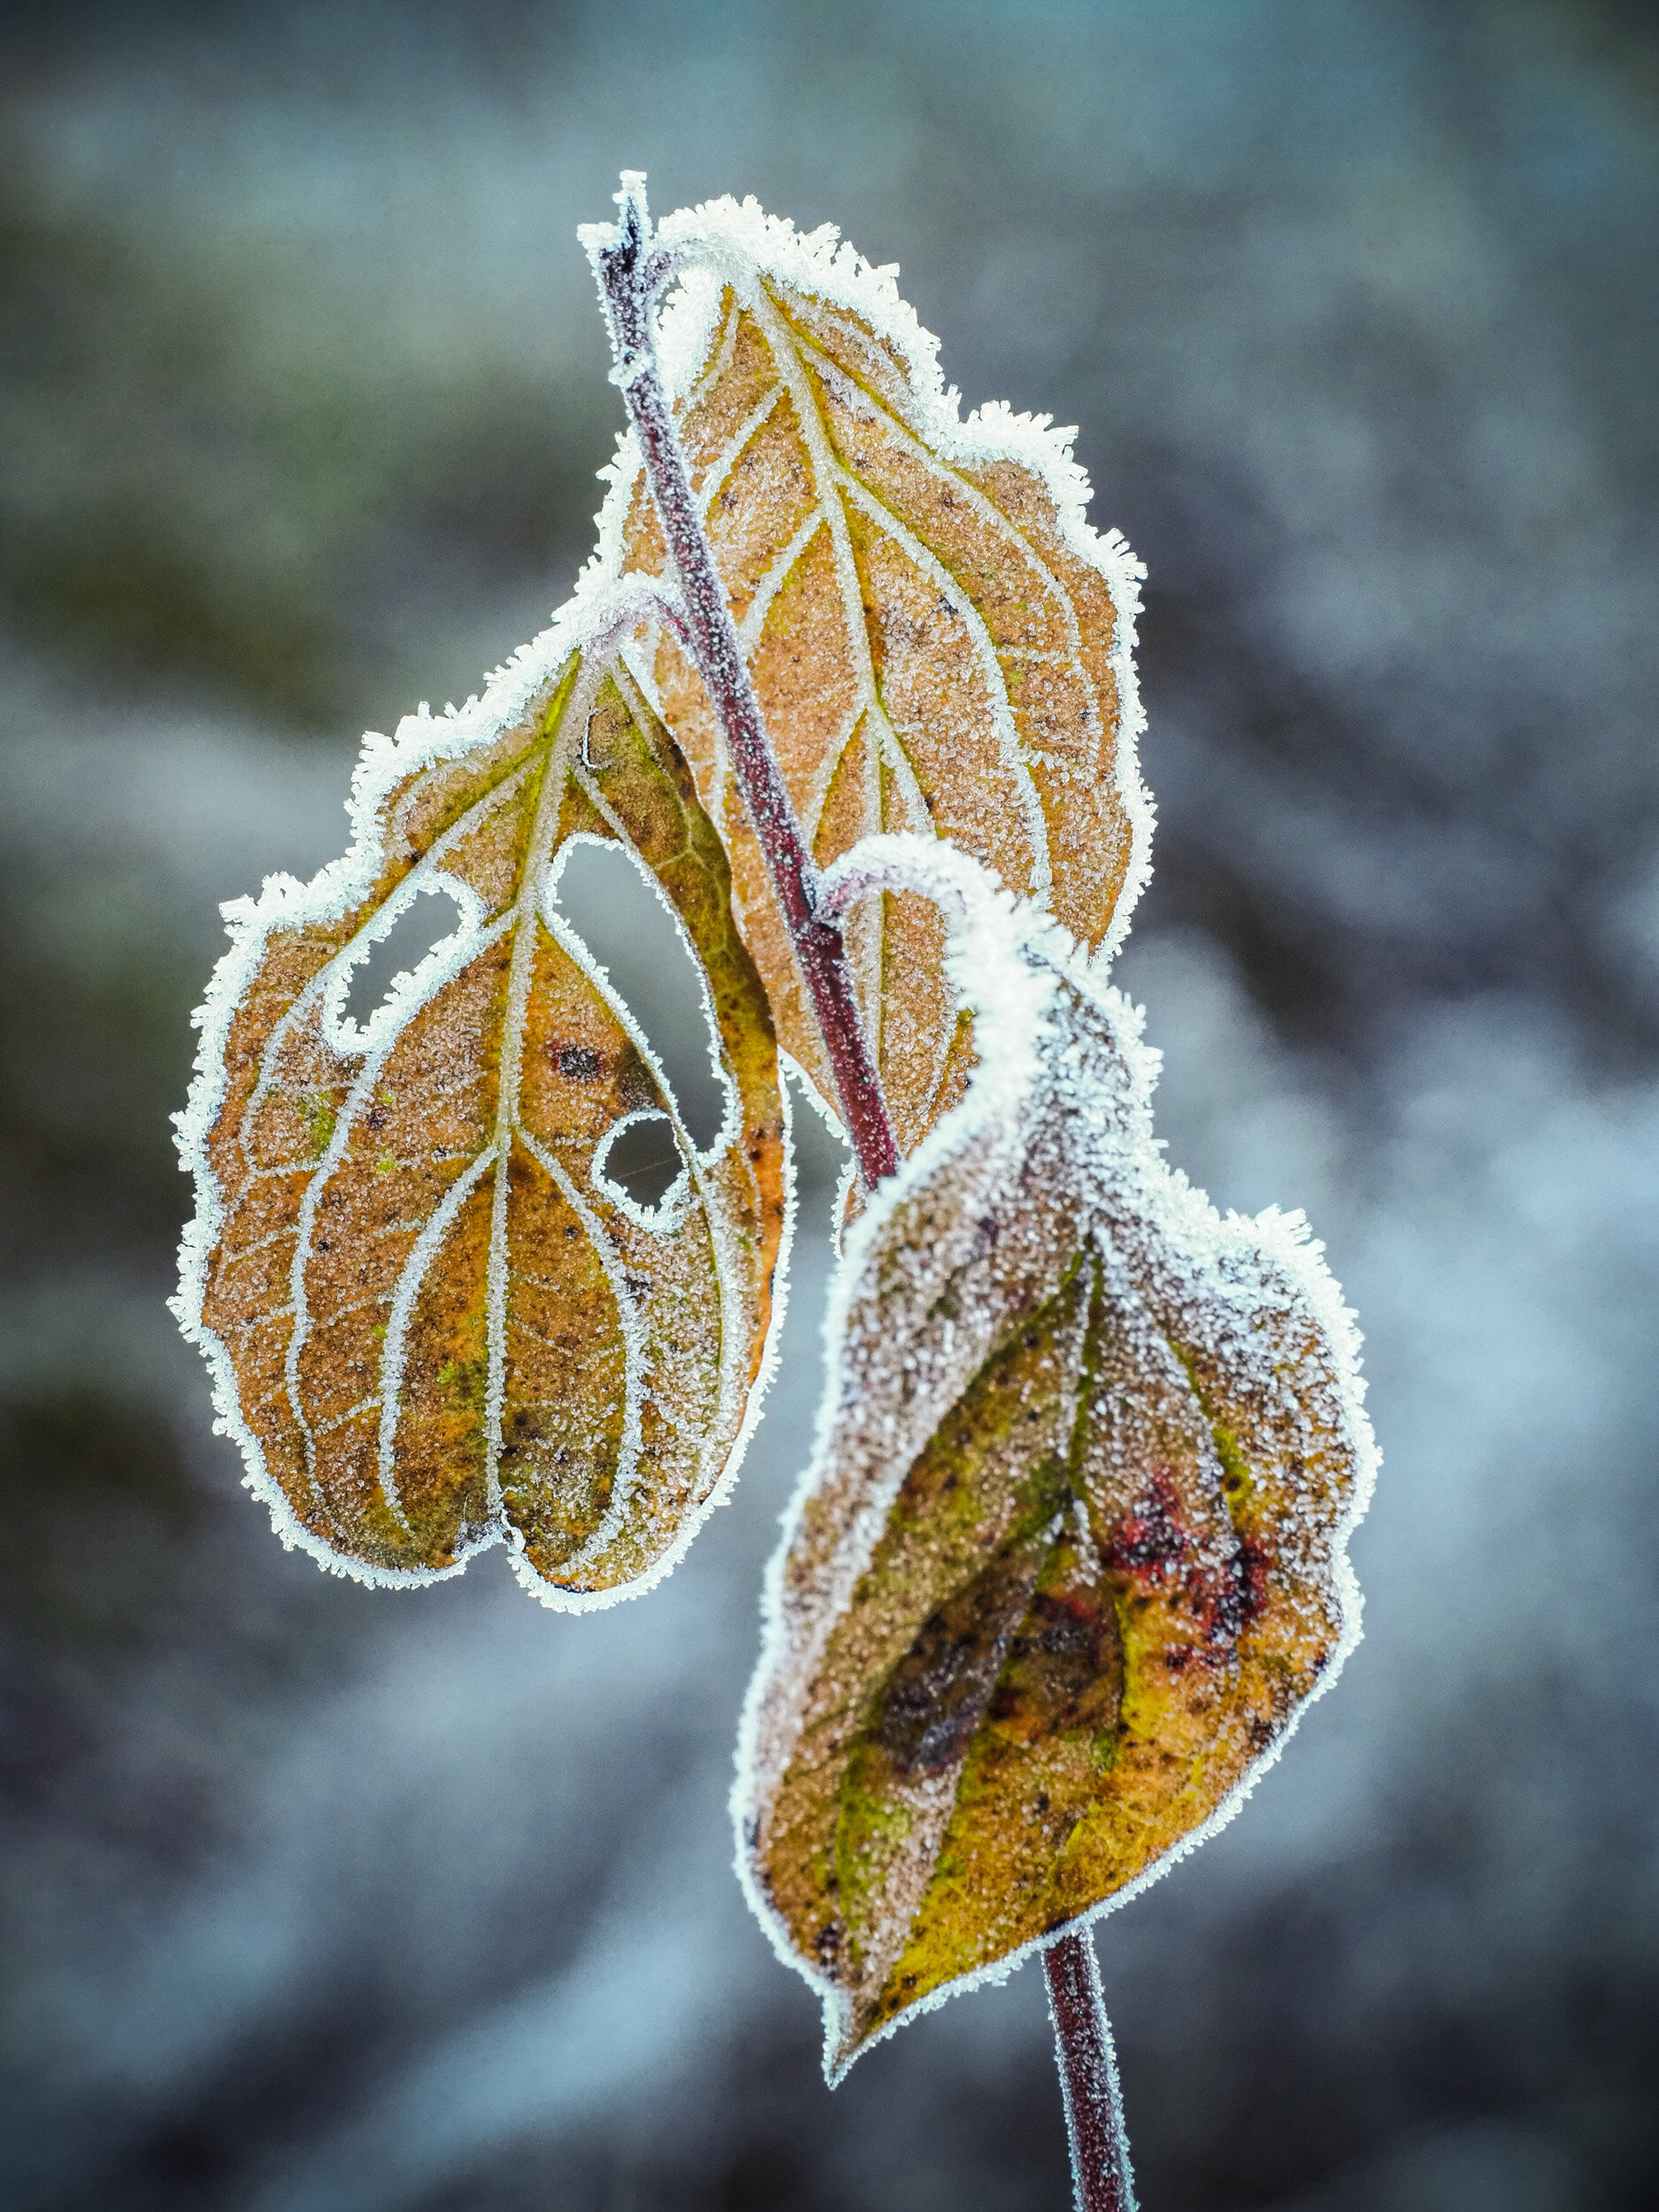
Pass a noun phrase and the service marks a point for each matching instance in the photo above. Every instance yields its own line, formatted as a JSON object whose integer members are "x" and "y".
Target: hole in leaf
{"x": 643, "y": 1162}
{"x": 822, "y": 1156}
{"x": 625, "y": 927}
{"x": 428, "y": 920}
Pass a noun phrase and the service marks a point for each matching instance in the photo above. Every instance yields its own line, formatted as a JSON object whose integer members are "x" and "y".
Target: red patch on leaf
{"x": 1151, "y": 1545}
{"x": 1149, "y": 1541}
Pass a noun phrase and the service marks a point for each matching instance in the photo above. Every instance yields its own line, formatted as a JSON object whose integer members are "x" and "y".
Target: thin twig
{"x": 631, "y": 279}
{"x": 633, "y": 273}
{"x": 1089, "y": 2076}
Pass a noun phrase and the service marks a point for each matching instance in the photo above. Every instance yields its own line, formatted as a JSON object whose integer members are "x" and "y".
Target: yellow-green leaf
{"x": 939, "y": 641}
{"x": 1070, "y": 1558}
{"x": 433, "y": 1321}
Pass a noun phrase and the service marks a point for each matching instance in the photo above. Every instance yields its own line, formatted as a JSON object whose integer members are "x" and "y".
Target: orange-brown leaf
{"x": 938, "y": 642}
{"x": 433, "y": 1321}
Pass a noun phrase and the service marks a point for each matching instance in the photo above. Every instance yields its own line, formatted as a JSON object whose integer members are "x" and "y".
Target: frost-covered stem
{"x": 1089, "y": 2076}
{"x": 632, "y": 274}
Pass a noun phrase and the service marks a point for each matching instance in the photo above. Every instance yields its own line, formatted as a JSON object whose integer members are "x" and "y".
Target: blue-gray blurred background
{"x": 320, "y": 1899}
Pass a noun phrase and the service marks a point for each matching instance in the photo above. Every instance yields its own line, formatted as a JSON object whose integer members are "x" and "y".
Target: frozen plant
{"x": 850, "y": 682}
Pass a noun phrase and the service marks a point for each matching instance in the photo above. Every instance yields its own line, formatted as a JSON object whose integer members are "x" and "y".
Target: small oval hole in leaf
{"x": 427, "y": 922}
{"x": 823, "y": 1157}
{"x": 642, "y": 1162}
{"x": 628, "y": 930}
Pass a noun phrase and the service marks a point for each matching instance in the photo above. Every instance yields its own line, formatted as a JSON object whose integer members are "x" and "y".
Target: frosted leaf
{"x": 435, "y": 1319}
{"x": 1070, "y": 1556}
{"x": 939, "y": 641}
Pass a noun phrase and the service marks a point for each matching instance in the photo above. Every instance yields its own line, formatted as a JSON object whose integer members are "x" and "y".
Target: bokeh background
{"x": 321, "y": 1900}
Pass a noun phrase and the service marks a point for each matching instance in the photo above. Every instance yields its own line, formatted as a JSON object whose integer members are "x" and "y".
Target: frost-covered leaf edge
{"x": 991, "y": 976}
{"x": 597, "y": 615}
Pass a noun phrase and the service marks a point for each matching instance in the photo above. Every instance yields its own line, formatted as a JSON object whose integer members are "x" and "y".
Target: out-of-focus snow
{"x": 309, "y": 1891}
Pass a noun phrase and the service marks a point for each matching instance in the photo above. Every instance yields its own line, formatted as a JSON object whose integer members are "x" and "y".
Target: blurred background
{"x": 323, "y": 1899}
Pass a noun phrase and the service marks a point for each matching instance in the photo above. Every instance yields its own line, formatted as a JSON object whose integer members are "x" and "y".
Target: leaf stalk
{"x": 1088, "y": 2076}
{"x": 633, "y": 272}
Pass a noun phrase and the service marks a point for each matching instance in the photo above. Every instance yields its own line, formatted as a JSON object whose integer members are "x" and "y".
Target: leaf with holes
{"x": 1070, "y": 1558}
{"x": 939, "y": 641}
{"x": 436, "y": 1316}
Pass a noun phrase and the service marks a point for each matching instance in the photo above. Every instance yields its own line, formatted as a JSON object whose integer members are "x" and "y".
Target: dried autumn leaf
{"x": 1070, "y": 1558}
{"x": 939, "y": 641}
{"x": 433, "y": 1321}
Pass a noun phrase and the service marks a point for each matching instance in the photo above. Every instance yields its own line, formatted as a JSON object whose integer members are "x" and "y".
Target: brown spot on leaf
{"x": 937, "y": 1694}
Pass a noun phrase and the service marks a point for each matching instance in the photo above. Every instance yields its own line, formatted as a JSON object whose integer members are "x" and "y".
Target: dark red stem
{"x": 631, "y": 277}
{"x": 1089, "y": 2076}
